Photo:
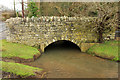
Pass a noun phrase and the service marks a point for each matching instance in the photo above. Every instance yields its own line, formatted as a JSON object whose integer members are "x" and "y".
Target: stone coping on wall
{"x": 51, "y": 18}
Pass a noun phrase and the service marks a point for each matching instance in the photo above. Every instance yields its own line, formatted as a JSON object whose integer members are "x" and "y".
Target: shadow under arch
{"x": 62, "y": 45}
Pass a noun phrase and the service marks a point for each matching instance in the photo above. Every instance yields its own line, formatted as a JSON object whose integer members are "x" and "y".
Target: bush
{"x": 33, "y": 10}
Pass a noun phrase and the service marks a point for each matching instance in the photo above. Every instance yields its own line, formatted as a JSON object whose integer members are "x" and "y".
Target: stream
{"x": 74, "y": 64}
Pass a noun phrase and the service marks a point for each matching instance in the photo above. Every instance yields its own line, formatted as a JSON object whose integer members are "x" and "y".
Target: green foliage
{"x": 33, "y": 9}
{"x": 19, "y": 69}
{"x": 10, "y": 50}
{"x": 108, "y": 49}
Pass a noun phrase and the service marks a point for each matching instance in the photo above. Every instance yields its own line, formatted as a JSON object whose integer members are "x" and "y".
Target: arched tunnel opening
{"x": 62, "y": 45}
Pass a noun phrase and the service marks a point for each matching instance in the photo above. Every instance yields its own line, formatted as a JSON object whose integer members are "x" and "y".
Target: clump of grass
{"x": 10, "y": 50}
{"x": 19, "y": 69}
{"x": 108, "y": 49}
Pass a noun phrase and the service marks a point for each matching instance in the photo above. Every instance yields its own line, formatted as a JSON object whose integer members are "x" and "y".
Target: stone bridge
{"x": 45, "y": 30}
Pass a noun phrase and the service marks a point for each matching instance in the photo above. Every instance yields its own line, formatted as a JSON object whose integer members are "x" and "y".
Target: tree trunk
{"x": 14, "y": 9}
{"x": 100, "y": 38}
{"x": 22, "y": 9}
{"x": 100, "y": 33}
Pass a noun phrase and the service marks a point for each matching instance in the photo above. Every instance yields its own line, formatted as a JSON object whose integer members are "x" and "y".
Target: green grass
{"x": 10, "y": 50}
{"x": 108, "y": 49}
{"x": 19, "y": 69}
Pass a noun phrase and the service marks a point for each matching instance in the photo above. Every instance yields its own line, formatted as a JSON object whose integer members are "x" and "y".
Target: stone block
{"x": 118, "y": 38}
{"x": 86, "y": 46}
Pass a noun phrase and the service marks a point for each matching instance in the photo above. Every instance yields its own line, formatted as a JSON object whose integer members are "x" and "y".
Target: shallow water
{"x": 74, "y": 64}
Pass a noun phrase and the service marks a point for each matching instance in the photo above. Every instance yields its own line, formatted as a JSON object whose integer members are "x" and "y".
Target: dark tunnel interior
{"x": 62, "y": 45}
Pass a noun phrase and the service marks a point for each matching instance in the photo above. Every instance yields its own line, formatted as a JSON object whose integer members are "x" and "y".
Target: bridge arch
{"x": 49, "y": 43}
{"x": 62, "y": 44}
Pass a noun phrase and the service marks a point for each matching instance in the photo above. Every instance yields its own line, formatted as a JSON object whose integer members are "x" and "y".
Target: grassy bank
{"x": 10, "y": 50}
{"x": 19, "y": 69}
{"x": 108, "y": 49}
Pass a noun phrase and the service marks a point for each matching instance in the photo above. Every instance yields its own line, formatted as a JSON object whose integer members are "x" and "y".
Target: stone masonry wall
{"x": 45, "y": 30}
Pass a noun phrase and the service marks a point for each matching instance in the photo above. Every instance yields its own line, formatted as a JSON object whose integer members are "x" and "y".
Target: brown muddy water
{"x": 74, "y": 64}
